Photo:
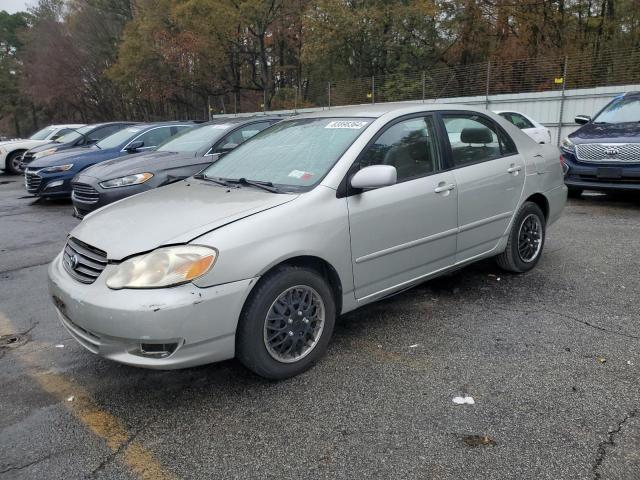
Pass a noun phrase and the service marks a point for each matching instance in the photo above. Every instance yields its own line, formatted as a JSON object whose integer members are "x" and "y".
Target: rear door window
{"x": 475, "y": 138}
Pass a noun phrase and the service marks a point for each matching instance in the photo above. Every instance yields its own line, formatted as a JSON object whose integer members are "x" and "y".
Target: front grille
{"x": 608, "y": 152}
{"x": 32, "y": 181}
{"x": 83, "y": 262}
{"x": 84, "y": 193}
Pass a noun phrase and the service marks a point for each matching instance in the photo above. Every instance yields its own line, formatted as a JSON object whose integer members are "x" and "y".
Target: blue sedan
{"x": 50, "y": 176}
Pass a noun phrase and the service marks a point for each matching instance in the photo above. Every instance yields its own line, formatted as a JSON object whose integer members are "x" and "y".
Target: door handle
{"x": 444, "y": 188}
{"x": 514, "y": 169}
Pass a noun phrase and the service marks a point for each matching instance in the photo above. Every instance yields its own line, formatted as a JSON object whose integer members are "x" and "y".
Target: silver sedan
{"x": 257, "y": 255}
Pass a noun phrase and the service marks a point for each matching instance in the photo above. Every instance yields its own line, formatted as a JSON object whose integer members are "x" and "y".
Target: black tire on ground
{"x": 251, "y": 348}
{"x": 13, "y": 162}
{"x": 575, "y": 192}
{"x": 511, "y": 259}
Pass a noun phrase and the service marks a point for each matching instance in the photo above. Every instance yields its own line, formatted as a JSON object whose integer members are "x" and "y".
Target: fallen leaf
{"x": 478, "y": 440}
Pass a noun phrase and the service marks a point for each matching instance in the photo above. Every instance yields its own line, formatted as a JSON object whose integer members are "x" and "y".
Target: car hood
{"x": 24, "y": 143}
{"x": 174, "y": 214}
{"x": 628, "y": 132}
{"x": 6, "y": 142}
{"x": 72, "y": 155}
{"x": 143, "y": 162}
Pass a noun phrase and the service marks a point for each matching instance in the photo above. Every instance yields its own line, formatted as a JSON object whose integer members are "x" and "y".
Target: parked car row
{"x": 290, "y": 223}
{"x": 179, "y": 157}
{"x": 51, "y": 175}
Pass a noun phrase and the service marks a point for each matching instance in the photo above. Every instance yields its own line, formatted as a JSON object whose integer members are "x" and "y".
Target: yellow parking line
{"x": 79, "y": 401}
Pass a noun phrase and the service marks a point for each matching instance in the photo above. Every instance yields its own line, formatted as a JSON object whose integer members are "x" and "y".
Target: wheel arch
{"x": 542, "y": 202}
{"x": 9, "y": 155}
{"x": 321, "y": 266}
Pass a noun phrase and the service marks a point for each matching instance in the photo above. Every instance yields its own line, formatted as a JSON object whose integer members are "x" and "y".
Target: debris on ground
{"x": 414, "y": 345}
{"x": 466, "y": 400}
{"x": 601, "y": 359}
{"x": 71, "y": 398}
{"x": 478, "y": 440}
{"x": 59, "y": 345}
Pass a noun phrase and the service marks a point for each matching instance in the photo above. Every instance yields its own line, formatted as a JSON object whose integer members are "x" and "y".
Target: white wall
{"x": 542, "y": 106}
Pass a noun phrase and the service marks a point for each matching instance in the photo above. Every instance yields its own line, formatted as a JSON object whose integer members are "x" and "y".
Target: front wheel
{"x": 13, "y": 162}
{"x": 286, "y": 323}
{"x": 526, "y": 240}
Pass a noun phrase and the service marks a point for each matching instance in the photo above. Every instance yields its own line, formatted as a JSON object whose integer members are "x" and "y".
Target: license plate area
{"x": 609, "y": 172}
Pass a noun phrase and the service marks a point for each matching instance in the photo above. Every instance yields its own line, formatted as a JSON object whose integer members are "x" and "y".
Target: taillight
{"x": 563, "y": 164}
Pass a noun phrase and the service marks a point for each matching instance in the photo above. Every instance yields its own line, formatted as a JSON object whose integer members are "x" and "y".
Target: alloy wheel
{"x": 530, "y": 238}
{"x": 294, "y": 324}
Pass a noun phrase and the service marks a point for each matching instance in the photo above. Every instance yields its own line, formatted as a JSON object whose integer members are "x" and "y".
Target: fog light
{"x": 157, "y": 350}
{"x": 57, "y": 183}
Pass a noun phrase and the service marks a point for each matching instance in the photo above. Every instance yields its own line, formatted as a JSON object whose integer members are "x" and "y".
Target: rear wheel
{"x": 13, "y": 162}
{"x": 526, "y": 240}
{"x": 575, "y": 192}
{"x": 286, "y": 324}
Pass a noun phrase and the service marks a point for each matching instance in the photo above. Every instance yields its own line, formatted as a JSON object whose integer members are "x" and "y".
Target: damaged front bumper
{"x": 165, "y": 328}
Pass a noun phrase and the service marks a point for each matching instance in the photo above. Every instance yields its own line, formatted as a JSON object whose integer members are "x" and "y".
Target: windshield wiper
{"x": 268, "y": 186}
{"x": 219, "y": 181}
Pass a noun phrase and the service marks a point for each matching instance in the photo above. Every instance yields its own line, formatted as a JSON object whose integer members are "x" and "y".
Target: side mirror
{"x": 227, "y": 147}
{"x": 375, "y": 176}
{"x": 582, "y": 119}
{"x": 91, "y": 141}
{"x": 132, "y": 147}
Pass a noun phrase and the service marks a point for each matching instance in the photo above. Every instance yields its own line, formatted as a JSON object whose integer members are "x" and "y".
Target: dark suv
{"x": 604, "y": 154}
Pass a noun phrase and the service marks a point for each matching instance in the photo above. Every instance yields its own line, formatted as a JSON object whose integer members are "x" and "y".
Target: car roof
{"x": 66, "y": 125}
{"x": 105, "y": 124}
{"x": 379, "y": 109}
{"x": 143, "y": 126}
{"x": 239, "y": 120}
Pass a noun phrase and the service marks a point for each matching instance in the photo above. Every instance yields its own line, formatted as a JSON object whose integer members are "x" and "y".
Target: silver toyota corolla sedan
{"x": 257, "y": 255}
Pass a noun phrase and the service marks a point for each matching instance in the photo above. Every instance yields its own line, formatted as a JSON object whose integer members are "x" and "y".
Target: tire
{"x": 257, "y": 351}
{"x": 512, "y": 259}
{"x": 13, "y": 162}
{"x": 574, "y": 192}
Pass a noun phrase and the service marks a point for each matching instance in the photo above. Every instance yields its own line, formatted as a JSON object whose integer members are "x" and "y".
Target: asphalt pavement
{"x": 550, "y": 358}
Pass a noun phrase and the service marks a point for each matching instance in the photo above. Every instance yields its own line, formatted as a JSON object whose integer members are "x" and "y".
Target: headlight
{"x": 128, "y": 180}
{"x": 567, "y": 145}
{"x": 57, "y": 168}
{"x": 44, "y": 153}
{"x": 164, "y": 267}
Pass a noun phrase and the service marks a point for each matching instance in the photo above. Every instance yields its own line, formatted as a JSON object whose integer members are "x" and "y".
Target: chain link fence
{"x": 496, "y": 77}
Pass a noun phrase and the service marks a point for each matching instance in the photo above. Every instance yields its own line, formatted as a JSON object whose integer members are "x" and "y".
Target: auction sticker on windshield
{"x": 300, "y": 175}
{"x": 351, "y": 124}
